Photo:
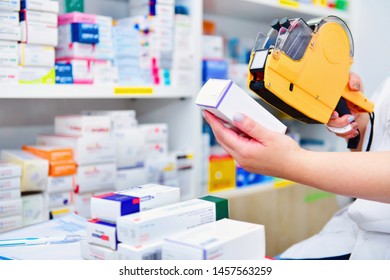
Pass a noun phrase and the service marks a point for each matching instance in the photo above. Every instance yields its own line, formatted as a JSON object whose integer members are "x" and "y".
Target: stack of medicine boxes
{"x": 58, "y": 197}
{"x": 76, "y": 48}
{"x": 39, "y": 36}
{"x": 85, "y": 51}
{"x": 184, "y": 49}
{"x": 34, "y": 177}
{"x": 131, "y": 50}
{"x": 94, "y": 153}
{"x": 141, "y": 234}
{"x": 9, "y": 37}
{"x": 10, "y": 201}
{"x": 160, "y": 14}
{"x": 102, "y": 242}
{"x": 130, "y": 147}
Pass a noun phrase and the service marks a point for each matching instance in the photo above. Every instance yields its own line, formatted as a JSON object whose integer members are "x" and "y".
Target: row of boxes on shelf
{"x": 93, "y": 154}
{"x": 29, "y": 35}
{"x": 151, "y": 47}
{"x": 149, "y": 222}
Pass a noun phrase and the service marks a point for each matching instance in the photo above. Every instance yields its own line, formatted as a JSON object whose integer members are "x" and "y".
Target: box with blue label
{"x": 101, "y": 233}
{"x": 110, "y": 206}
{"x": 86, "y": 33}
{"x": 214, "y": 68}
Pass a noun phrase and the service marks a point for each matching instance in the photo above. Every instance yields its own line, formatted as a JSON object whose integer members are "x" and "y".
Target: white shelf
{"x": 92, "y": 91}
{"x": 267, "y": 10}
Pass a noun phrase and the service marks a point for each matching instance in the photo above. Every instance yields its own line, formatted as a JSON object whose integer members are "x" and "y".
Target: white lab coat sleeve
{"x": 337, "y": 238}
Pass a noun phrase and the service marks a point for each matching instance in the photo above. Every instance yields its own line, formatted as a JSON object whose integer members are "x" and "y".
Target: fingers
{"x": 226, "y": 137}
{"x": 251, "y": 128}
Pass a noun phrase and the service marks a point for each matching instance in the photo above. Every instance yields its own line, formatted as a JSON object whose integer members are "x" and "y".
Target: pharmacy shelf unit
{"x": 26, "y": 110}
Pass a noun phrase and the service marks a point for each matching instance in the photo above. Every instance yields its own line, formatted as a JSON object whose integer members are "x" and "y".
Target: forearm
{"x": 363, "y": 175}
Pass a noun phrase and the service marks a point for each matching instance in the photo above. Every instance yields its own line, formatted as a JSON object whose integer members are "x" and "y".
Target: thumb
{"x": 251, "y": 128}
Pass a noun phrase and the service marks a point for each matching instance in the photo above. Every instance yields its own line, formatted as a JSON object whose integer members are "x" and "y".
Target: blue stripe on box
{"x": 129, "y": 204}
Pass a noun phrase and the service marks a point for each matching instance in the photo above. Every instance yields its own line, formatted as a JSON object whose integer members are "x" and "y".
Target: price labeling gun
{"x": 302, "y": 69}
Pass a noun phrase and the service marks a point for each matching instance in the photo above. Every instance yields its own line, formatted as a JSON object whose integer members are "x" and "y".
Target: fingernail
{"x": 356, "y": 86}
{"x": 351, "y": 119}
{"x": 238, "y": 117}
{"x": 334, "y": 115}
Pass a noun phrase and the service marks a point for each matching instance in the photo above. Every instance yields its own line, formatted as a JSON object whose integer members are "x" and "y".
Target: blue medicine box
{"x": 214, "y": 69}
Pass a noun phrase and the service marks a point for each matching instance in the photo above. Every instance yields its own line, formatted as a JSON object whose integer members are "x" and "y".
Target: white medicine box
{"x": 224, "y": 99}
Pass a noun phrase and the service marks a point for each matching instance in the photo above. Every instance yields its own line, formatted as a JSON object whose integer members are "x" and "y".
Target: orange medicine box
{"x": 62, "y": 168}
{"x": 51, "y": 153}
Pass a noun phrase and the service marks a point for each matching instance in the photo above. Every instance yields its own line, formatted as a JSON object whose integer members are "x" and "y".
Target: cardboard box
{"x": 10, "y": 5}
{"x": 80, "y": 125}
{"x": 9, "y": 183}
{"x": 36, "y": 75}
{"x": 37, "y": 16}
{"x": 9, "y": 194}
{"x": 36, "y": 55}
{"x": 95, "y": 252}
{"x": 130, "y": 177}
{"x": 34, "y": 209}
{"x": 9, "y": 17}
{"x": 11, "y": 207}
{"x": 60, "y": 184}
{"x": 40, "y": 5}
{"x": 224, "y": 99}
{"x": 50, "y": 153}
{"x": 34, "y": 169}
{"x": 62, "y": 168}
{"x": 112, "y": 205}
{"x": 39, "y": 33}
{"x": 10, "y": 223}
{"x": 158, "y": 223}
{"x": 101, "y": 233}
{"x": 95, "y": 177}
{"x": 9, "y": 170}
{"x": 58, "y": 199}
{"x": 10, "y": 32}
{"x": 223, "y": 240}
{"x": 149, "y": 251}
{"x": 86, "y": 149}
{"x": 9, "y": 75}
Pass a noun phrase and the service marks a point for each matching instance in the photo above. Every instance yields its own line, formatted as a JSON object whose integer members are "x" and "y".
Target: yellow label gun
{"x": 302, "y": 69}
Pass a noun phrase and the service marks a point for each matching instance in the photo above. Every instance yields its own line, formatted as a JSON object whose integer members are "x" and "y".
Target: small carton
{"x": 9, "y": 170}
{"x": 158, "y": 223}
{"x": 51, "y": 153}
{"x": 101, "y": 233}
{"x": 35, "y": 170}
{"x": 224, "y": 99}
{"x": 223, "y": 240}
{"x": 135, "y": 199}
{"x": 80, "y": 125}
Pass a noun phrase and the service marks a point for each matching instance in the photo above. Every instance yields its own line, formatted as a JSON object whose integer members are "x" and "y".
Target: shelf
{"x": 267, "y": 10}
{"x": 91, "y": 91}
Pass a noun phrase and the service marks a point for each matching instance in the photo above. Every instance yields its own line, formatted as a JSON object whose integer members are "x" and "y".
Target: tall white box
{"x": 80, "y": 125}
{"x": 158, "y": 223}
{"x": 95, "y": 177}
{"x": 224, "y": 99}
{"x": 86, "y": 149}
{"x": 34, "y": 169}
{"x": 223, "y": 240}
{"x": 110, "y": 206}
